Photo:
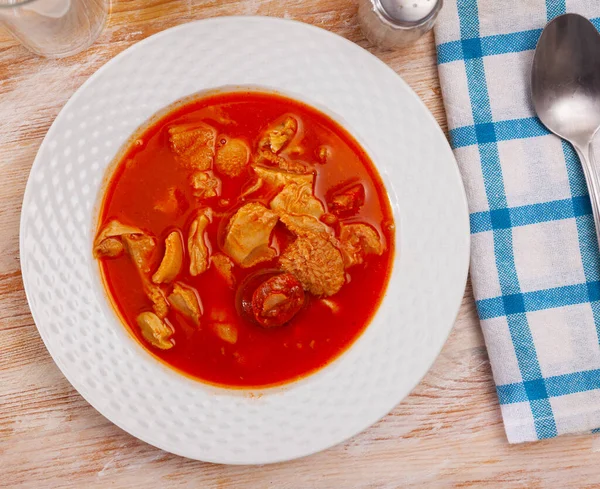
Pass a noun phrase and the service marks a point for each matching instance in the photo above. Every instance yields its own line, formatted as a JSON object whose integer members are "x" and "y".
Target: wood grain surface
{"x": 447, "y": 433}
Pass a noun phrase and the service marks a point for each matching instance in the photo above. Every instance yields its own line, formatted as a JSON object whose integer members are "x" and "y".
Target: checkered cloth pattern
{"x": 535, "y": 265}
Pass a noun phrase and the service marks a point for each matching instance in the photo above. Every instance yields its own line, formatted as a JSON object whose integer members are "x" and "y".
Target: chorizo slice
{"x": 277, "y": 300}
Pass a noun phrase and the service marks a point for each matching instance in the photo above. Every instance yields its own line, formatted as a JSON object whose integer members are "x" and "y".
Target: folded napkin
{"x": 535, "y": 265}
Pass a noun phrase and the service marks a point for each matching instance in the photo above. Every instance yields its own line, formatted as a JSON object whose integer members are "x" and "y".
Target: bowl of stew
{"x": 244, "y": 240}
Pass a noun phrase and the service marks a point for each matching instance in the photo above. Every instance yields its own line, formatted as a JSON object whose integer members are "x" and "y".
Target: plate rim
{"x": 458, "y": 183}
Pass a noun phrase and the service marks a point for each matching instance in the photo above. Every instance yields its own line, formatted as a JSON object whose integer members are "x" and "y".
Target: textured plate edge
{"x": 458, "y": 295}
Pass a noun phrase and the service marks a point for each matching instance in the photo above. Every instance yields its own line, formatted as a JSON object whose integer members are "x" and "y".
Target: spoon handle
{"x": 592, "y": 178}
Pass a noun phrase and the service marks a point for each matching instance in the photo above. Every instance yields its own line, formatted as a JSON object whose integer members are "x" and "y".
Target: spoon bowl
{"x": 565, "y": 79}
{"x": 565, "y": 90}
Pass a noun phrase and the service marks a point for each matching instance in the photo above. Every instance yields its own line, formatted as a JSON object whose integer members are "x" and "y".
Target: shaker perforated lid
{"x": 408, "y": 11}
{"x": 394, "y": 23}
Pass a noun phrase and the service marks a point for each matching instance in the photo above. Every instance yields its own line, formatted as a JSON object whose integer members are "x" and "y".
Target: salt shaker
{"x": 396, "y": 23}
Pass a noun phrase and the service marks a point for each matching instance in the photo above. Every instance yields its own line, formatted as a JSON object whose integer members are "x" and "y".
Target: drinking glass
{"x": 54, "y": 28}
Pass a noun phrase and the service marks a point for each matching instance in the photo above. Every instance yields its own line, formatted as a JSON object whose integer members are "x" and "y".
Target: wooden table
{"x": 447, "y": 433}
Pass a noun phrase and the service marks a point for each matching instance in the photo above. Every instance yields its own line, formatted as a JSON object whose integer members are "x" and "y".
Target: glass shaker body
{"x": 54, "y": 28}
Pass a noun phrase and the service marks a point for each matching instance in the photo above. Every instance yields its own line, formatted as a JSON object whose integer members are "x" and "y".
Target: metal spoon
{"x": 565, "y": 88}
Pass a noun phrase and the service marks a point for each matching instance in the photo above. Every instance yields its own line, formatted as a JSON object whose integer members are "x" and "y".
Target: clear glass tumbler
{"x": 54, "y": 28}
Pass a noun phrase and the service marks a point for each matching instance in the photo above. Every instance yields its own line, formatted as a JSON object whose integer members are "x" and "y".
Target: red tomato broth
{"x": 260, "y": 357}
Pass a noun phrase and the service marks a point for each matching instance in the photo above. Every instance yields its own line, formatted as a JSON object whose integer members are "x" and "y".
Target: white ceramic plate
{"x": 149, "y": 400}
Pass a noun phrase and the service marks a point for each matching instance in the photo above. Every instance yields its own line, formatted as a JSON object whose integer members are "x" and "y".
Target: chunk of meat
{"x": 186, "y": 301}
{"x": 279, "y": 178}
{"x": 157, "y": 296}
{"x": 275, "y": 138}
{"x": 169, "y": 203}
{"x": 323, "y": 154}
{"x": 197, "y": 247}
{"x": 295, "y": 150}
{"x": 277, "y": 300}
{"x": 205, "y": 184}
{"x": 316, "y": 263}
{"x": 295, "y": 166}
{"x": 334, "y": 307}
{"x": 347, "y": 200}
{"x": 329, "y": 219}
{"x": 141, "y": 249}
{"x": 248, "y": 235}
{"x": 155, "y": 330}
{"x": 173, "y": 203}
{"x": 228, "y": 332}
{"x": 193, "y": 144}
{"x": 218, "y": 315}
{"x": 297, "y": 199}
{"x": 219, "y": 115}
{"x": 232, "y": 157}
{"x": 116, "y": 228}
{"x": 108, "y": 242}
{"x": 282, "y": 162}
{"x": 109, "y": 247}
{"x": 357, "y": 241}
{"x": 170, "y": 266}
{"x": 306, "y": 226}
{"x": 224, "y": 267}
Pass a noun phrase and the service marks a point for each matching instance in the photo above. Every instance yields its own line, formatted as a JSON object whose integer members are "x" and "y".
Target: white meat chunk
{"x": 157, "y": 296}
{"x": 357, "y": 241}
{"x": 280, "y": 178}
{"x": 170, "y": 266}
{"x": 297, "y": 199}
{"x": 232, "y": 157}
{"x": 193, "y": 144}
{"x": 205, "y": 184}
{"x": 228, "y": 332}
{"x": 302, "y": 225}
{"x": 282, "y": 162}
{"x": 155, "y": 330}
{"x": 108, "y": 243}
{"x": 276, "y": 137}
{"x": 197, "y": 245}
{"x": 224, "y": 267}
{"x": 186, "y": 301}
{"x": 141, "y": 249}
{"x": 173, "y": 202}
{"x": 248, "y": 235}
{"x": 109, "y": 248}
{"x": 116, "y": 228}
{"x": 316, "y": 263}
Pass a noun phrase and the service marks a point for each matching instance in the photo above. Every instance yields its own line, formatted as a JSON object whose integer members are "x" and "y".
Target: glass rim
{"x": 17, "y": 4}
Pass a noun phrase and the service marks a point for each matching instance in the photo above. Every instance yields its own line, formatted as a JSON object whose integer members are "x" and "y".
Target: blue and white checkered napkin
{"x": 535, "y": 264}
